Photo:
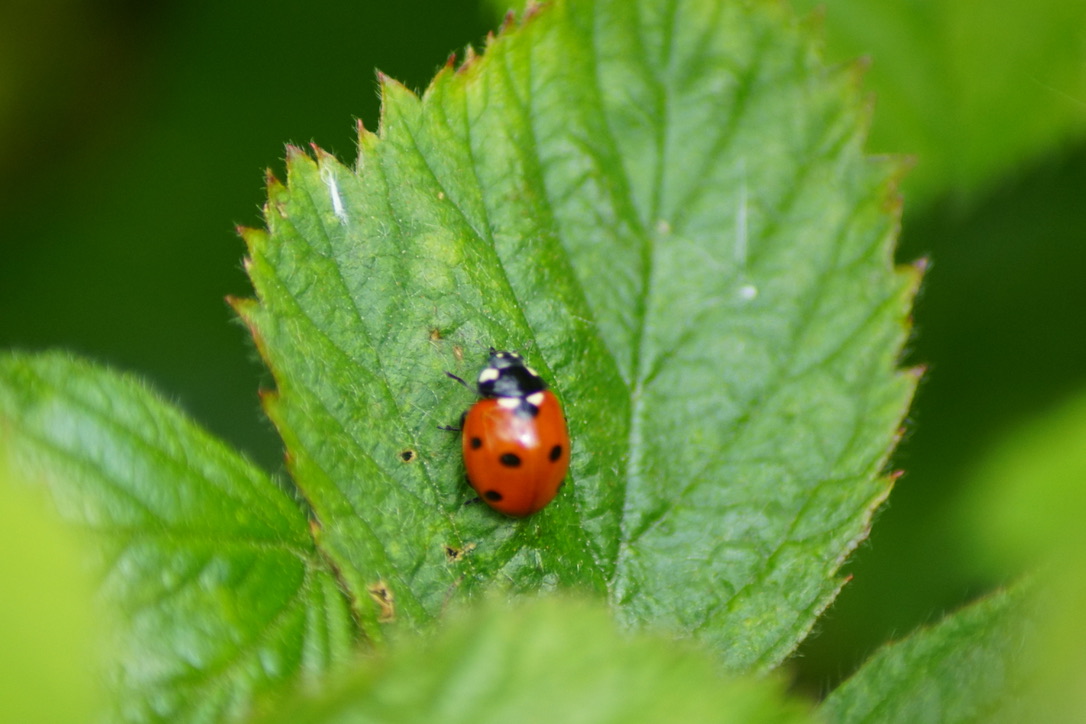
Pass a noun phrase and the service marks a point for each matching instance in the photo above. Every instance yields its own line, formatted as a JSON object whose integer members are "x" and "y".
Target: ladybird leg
{"x": 450, "y": 428}
{"x": 472, "y": 501}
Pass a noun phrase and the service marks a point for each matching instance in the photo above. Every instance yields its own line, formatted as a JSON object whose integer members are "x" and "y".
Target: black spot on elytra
{"x": 476, "y": 443}
{"x": 492, "y": 495}
{"x": 556, "y": 452}
{"x": 510, "y": 460}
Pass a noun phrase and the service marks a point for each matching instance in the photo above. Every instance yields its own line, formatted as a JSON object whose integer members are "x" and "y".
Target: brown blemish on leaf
{"x": 382, "y": 595}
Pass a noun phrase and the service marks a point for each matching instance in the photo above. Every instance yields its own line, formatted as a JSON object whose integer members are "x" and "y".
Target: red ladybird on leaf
{"x": 515, "y": 441}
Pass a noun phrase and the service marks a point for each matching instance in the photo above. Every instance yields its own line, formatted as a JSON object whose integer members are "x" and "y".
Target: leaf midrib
{"x": 634, "y": 440}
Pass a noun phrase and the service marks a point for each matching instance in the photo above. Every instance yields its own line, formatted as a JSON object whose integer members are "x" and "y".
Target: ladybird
{"x": 516, "y": 446}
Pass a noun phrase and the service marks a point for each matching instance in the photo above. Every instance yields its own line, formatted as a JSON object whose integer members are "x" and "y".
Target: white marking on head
{"x": 488, "y": 375}
{"x": 510, "y": 403}
{"x": 535, "y": 399}
{"x": 530, "y": 371}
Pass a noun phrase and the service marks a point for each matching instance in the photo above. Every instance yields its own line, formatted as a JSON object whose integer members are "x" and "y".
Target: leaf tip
{"x": 510, "y": 18}
{"x": 859, "y": 67}
{"x": 247, "y": 308}
{"x": 294, "y": 153}
{"x": 392, "y": 92}
{"x": 269, "y": 403}
{"x": 321, "y": 156}
{"x": 364, "y": 139}
{"x": 531, "y": 9}
{"x": 895, "y": 168}
{"x": 254, "y": 238}
{"x": 243, "y": 306}
{"x": 921, "y": 264}
{"x": 914, "y": 272}
{"x": 270, "y": 179}
{"x": 470, "y": 58}
{"x": 297, "y": 160}
{"x": 387, "y": 83}
{"x": 903, "y": 165}
{"x": 917, "y": 372}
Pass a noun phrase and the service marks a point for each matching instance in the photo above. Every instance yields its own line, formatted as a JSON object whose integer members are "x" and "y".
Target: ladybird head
{"x": 506, "y": 375}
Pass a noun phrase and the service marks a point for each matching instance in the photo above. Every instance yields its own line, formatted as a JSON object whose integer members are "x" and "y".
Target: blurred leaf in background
{"x": 135, "y": 136}
{"x": 966, "y": 668}
{"x": 971, "y": 88}
{"x": 547, "y": 660}
{"x": 49, "y": 627}
{"x": 1024, "y": 501}
{"x": 208, "y": 569}
{"x": 1023, "y": 505}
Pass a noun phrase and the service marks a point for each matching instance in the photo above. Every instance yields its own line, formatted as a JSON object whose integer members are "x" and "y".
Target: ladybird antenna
{"x": 460, "y": 380}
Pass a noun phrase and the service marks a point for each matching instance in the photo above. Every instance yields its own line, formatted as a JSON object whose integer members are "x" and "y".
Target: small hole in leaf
{"x": 454, "y": 554}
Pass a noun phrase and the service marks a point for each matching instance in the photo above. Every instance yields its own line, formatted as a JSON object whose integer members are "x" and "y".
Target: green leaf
{"x": 965, "y": 669}
{"x": 205, "y": 566}
{"x": 1024, "y": 505}
{"x": 665, "y": 206}
{"x": 972, "y": 87}
{"x": 551, "y": 660}
{"x": 47, "y": 628}
{"x": 1025, "y": 499}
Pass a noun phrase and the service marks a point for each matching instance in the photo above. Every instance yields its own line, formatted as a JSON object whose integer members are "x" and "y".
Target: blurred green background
{"x": 135, "y": 135}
